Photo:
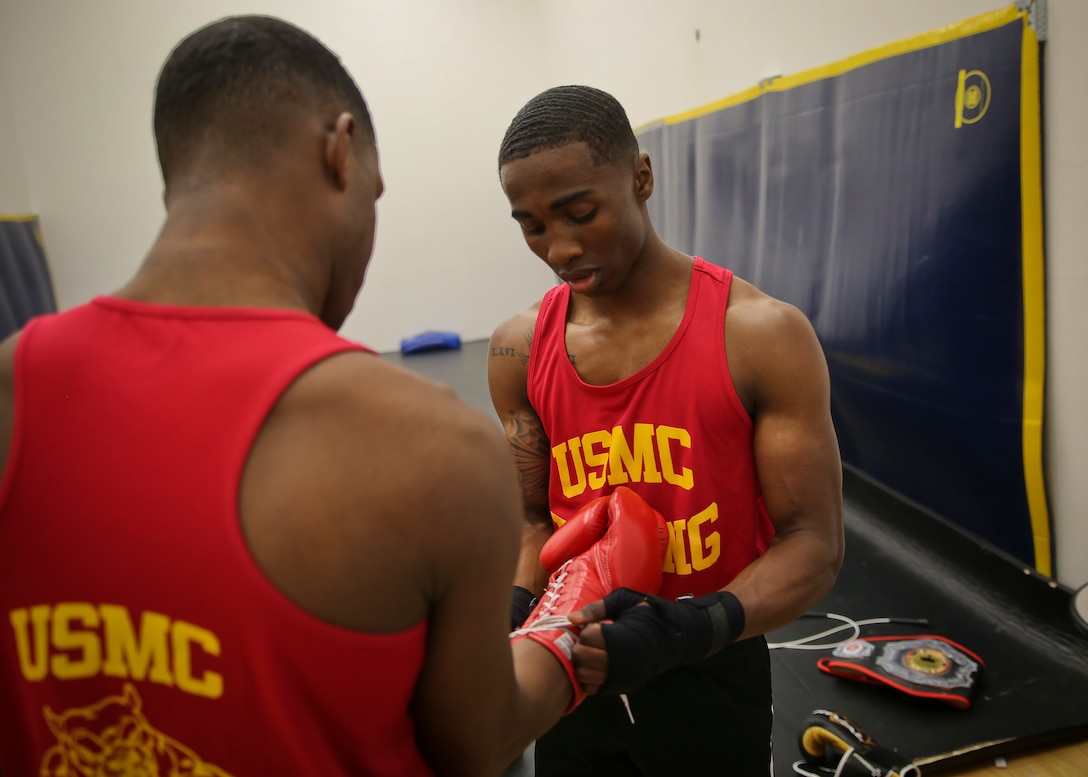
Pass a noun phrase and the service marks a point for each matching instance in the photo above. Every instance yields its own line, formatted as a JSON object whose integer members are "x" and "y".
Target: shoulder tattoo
{"x": 519, "y": 353}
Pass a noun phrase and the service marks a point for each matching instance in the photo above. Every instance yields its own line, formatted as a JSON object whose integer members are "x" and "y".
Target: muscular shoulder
{"x": 516, "y": 333}
{"x": 508, "y": 356}
{"x": 759, "y": 316}
{"x": 392, "y": 420}
{"x": 771, "y": 345}
{"x": 384, "y": 477}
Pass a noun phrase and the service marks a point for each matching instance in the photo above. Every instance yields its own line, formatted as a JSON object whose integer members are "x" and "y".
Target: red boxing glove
{"x": 577, "y": 535}
{"x": 617, "y": 541}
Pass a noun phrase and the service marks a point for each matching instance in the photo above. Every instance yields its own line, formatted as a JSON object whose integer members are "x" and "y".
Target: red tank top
{"x": 137, "y": 634}
{"x": 675, "y": 432}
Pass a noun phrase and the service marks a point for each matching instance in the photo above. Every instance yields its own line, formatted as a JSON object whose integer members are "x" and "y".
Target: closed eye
{"x": 584, "y": 219}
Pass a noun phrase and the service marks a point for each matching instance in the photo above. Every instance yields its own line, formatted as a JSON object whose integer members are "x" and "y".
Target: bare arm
{"x": 782, "y": 376}
{"x": 507, "y": 375}
{"x": 481, "y": 701}
{"x": 359, "y": 455}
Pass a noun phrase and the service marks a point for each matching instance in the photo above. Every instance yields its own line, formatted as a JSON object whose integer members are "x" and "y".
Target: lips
{"x": 576, "y": 276}
{"x": 579, "y": 281}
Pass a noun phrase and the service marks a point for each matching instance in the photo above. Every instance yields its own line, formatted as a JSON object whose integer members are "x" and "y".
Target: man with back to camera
{"x": 660, "y": 372}
{"x": 233, "y": 543}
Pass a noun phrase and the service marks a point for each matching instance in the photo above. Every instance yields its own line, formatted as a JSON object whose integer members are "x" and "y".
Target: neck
{"x": 660, "y": 278}
{"x": 229, "y": 246}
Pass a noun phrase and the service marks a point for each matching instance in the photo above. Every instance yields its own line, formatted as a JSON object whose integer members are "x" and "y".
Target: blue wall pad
{"x": 895, "y": 198}
{"x": 26, "y": 288}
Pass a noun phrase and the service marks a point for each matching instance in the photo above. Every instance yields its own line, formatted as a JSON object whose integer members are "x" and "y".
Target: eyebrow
{"x": 559, "y": 203}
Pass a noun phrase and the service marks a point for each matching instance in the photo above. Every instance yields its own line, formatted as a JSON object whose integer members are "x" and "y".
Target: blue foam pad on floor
{"x": 430, "y": 341}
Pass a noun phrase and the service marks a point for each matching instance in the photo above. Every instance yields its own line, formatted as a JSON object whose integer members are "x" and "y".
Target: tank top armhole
{"x": 727, "y": 373}
{"x": 19, "y": 391}
{"x": 544, "y": 314}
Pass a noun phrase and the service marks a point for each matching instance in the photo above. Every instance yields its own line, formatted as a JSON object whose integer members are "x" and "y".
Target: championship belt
{"x": 927, "y": 665}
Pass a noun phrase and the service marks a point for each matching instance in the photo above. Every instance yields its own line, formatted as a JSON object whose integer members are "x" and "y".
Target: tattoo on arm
{"x": 571, "y": 357}
{"x": 528, "y": 349}
{"x": 531, "y": 455}
{"x": 507, "y": 350}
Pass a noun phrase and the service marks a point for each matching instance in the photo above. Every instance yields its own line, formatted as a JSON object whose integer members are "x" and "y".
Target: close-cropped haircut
{"x": 571, "y": 114}
{"x": 242, "y": 82}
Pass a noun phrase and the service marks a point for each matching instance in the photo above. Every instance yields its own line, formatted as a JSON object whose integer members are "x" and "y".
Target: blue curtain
{"x": 26, "y": 288}
{"x": 883, "y": 197}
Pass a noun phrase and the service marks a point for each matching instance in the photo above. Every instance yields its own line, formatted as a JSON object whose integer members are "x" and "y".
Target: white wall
{"x": 443, "y": 79}
{"x": 646, "y": 53}
{"x": 438, "y": 79}
{"x": 14, "y": 192}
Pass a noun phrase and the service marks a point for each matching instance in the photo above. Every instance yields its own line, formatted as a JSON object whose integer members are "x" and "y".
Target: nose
{"x": 562, "y": 248}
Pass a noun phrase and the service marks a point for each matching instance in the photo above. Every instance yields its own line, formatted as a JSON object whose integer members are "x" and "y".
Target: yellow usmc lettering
{"x": 608, "y": 456}
{"x": 76, "y": 639}
{"x": 691, "y": 549}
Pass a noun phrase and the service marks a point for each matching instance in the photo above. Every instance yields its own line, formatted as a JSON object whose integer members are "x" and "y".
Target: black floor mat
{"x": 902, "y": 563}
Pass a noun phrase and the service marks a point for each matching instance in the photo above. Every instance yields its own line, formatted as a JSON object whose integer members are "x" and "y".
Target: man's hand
{"x": 629, "y": 638}
{"x": 590, "y": 653}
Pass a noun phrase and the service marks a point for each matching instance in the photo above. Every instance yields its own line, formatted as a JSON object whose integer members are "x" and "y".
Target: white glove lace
{"x": 553, "y": 622}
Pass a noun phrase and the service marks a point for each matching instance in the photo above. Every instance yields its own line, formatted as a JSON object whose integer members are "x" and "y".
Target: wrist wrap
{"x": 650, "y": 635}
{"x": 520, "y": 607}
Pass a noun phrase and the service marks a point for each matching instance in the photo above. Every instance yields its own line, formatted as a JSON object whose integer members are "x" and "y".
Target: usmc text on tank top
{"x": 73, "y": 640}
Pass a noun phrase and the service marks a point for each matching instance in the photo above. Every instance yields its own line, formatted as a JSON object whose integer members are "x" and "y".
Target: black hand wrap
{"x": 521, "y": 607}
{"x": 645, "y": 641}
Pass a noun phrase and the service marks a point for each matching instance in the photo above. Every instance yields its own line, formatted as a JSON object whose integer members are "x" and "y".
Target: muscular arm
{"x": 375, "y": 499}
{"x": 480, "y": 701}
{"x": 507, "y": 374}
{"x": 782, "y": 376}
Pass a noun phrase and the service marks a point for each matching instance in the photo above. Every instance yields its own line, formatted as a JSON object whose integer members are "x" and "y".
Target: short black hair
{"x": 571, "y": 114}
{"x": 243, "y": 81}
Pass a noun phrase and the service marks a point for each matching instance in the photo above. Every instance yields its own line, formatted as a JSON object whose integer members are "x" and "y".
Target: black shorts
{"x": 711, "y": 719}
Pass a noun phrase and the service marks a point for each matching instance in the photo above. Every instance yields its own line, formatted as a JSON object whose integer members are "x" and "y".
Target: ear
{"x": 644, "y": 177}
{"x": 339, "y": 148}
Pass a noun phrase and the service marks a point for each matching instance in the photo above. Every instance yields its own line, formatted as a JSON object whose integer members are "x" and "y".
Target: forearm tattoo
{"x": 531, "y": 455}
